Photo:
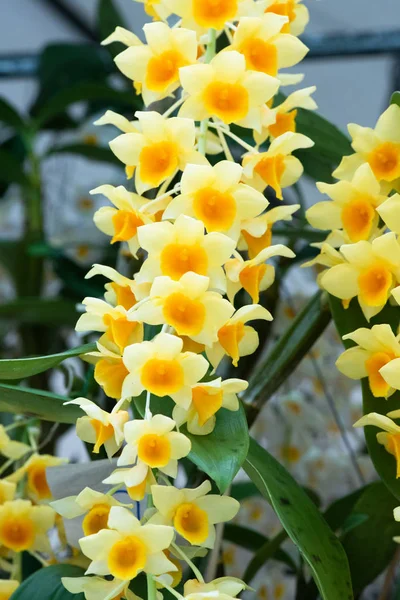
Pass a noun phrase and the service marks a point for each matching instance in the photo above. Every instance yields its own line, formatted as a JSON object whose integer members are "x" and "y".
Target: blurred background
{"x": 55, "y": 80}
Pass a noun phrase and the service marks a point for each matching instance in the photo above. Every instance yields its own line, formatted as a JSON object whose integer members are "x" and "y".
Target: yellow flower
{"x": 193, "y": 512}
{"x": 207, "y": 399}
{"x": 121, "y": 222}
{"x": 100, "y": 427}
{"x": 114, "y": 321}
{"x": 155, "y": 65}
{"x": 156, "y": 8}
{"x": 122, "y": 291}
{"x": 264, "y": 46}
{"x": 7, "y": 588}
{"x": 282, "y": 118}
{"x": 187, "y": 306}
{"x": 127, "y": 548}
{"x": 224, "y": 89}
{"x": 119, "y": 121}
{"x": 174, "y": 249}
{"x": 7, "y": 490}
{"x": 152, "y": 444}
{"x": 380, "y": 147}
{"x": 24, "y": 527}
{"x": 353, "y": 206}
{"x": 215, "y": 196}
{"x": 95, "y": 505}
{"x": 256, "y": 234}
{"x": 390, "y": 212}
{"x": 389, "y": 437}
{"x": 235, "y": 338}
{"x": 161, "y": 368}
{"x": 376, "y": 348}
{"x": 109, "y": 371}
{"x": 296, "y": 12}
{"x": 276, "y": 167}
{"x": 138, "y": 492}
{"x": 35, "y": 471}
{"x": 253, "y": 275}
{"x": 10, "y": 448}
{"x": 97, "y": 588}
{"x": 371, "y": 271}
{"x": 163, "y": 147}
{"x": 223, "y": 588}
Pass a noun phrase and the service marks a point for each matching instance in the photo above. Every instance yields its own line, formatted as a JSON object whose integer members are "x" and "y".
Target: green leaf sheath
{"x": 303, "y": 522}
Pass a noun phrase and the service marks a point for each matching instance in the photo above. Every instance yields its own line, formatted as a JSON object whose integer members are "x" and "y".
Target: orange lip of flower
{"x": 162, "y": 377}
{"x": 127, "y": 558}
{"x": 230, "y": 336}
{"x": 385, "y": 161}
{"x": 217, "y": 210}
{"x": 206, "y": 403}
{"x": 17, "y": 533}
{"x": 357, "y": 218}
{"x": 373, "y": 364}
{"x": 163, "y": 70}
{"x": 157, "y": 162}
{"x": 178, "y": 259}
{"x": 271, "y": 170}
{"x": 119, "y": 330}
{"x": 250, "y": 278}
{"x": 260, "y": 56}
{"x": 125, "y": 224}
{"x": 191, "y": 522}
{"x": 96, "y": 519}
{"x": 256, "y": 244}
{"x": 125, "y": 297}
{"x": 154, "y": 450}
{"x": 184, "y": 314}
{"x": 227, "y": 101}
{"x": 214, "y": 13}
{"x": 284, "y": 122}
{"x": 37, "y": 481}
{"x": 374, "y": 284}
{"x": 110, "y": 374}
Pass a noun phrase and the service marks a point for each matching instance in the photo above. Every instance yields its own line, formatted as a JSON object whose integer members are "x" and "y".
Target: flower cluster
{"x": 199, "y": 232}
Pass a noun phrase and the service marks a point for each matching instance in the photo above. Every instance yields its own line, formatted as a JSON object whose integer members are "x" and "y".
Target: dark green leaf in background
{"x": 95, "y": 153}
{"x": 11, "y": 169}
{"x": 108, "y": 18}
{"x": 9, "y": 116}
{"x": 45, "y": 405}
{"x": 395, "y": 99}
{"x": 44, "y": 311}
{"x": 45, "y": 584}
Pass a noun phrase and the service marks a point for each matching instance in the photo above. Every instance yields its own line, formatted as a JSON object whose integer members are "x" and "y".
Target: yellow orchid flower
{"x": 376, "y": 348}
{"x": 226, "y": 90}
{"x": 215, "y": 196}
{"x": 127, "y": 548}
{"x": 156, "y": 9}
{"x": 152, "y": 444}
{"x": 7, "y": 588}
{"x": 276, "y": 167}
{"x": 256, "y": 234}
{"x": 187, "y": 306}
{"x": 370, "y": 272}
{"x": 296, "y": 12}
{"x": 176, "y": 248}
{"x": 390, "y": 212}
{"x": 223, "y": 588}
{"x": 353, "y": 207}
{"x": 389, "y": 437}
{"x": 122, "y": 291}
{"x": 109, "y": 371}
{"x": 7, "y": 490}
{"x": 11, "y": 448}
{"x": 207, "y": 399}
{"x": 193, "y": 512}
{"x": 235, "y": 338}
{"x": 24, "y": 526}
{"x": 35, "y": 471}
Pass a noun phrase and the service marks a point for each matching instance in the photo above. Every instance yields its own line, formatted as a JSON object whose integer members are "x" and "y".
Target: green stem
{"x": 210, "y": 53}
{"x": 188, "y": 562}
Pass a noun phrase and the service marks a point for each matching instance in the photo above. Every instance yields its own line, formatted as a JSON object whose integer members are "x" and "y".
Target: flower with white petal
{"x": 226, "y": 90}
{"x": 155, "y": 65}
{"x": 127, "y": 548}
{"x": 176, "y": 248}
{"x": 207, "y": 399}
{"x": 215, "y": 196}
{"x": 193, "y": 512}
{"x": 94, "y": 505}
{"x": 353, "y": 207}
{"x": 34, "y": 470}
{"x": 256, "y": 234}
{"x": 376, "y": 356}
{"x": 264, "y": 46}
{"x": 187, "y": 306}
{"x": 159, "y": 151}
{"x": 371, "y": 271}
{"x": 235, "y": 338}
{"x": 24, "y": 526}
{"x": 389, "y": 437}
{"x": 97, "y": 588}
{"x": 253, "y": 275}
{"x": 113, "y": 320}
{"x": 11, "y": 448}
{"x": 152, "y": 444}
{"x": 121, "y": 222}
{"x": 161, "y": 368}
{"x": 121, "y": 291}
{"x": 276, "y": 167}
{"x": 379, "y": 147}
{"x": 296, "y": 12}
{"x": 100, "y": 427}
{"x": 223, "y": 588}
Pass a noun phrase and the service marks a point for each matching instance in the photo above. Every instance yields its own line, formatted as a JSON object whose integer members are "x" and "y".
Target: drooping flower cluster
{"x": 201, "y": 235}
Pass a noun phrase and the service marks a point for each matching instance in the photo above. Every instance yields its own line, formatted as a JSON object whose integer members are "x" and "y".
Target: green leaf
{"x": 395, "y": 99}
{"x": 96, "y": 153}
{"x": 9, "y": 116}
{"x": 369, "y": 545}
{"x": 45, "y": 405}
{"x": 221, "y": 453}
{"x": 11, "y": 169}
{"x": 46, "y": 311}
{"x": 303, "y": 522}
{"x": 287, "y": 353}
{"x": 337, "y": 513}
{"x": 45, "y": 584}
{"x": 267, "y": 551}
{"x": 108, "y": 18}
{"x": 19, "y": 368}
{"x": 243, "y": 490}
{"x": 346, "y": 321}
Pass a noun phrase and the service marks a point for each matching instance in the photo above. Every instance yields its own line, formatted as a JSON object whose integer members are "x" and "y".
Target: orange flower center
{"x": 157, "y": 162}
{"x": 250, "y": 278}
{"x": 206, "y": 402}
{"x": 125, "y": 297}
{"x": 184, "y": 314}
{"x": 286, "y": 9}
{"x": 178, "y": 259}
{"x": 227, "y": 101}
{"x": 373, "y": 364}
{"x": 217, "y": 210}
{"x": 271, "y": 170}
{"x": 125, "y": 224}
{"x": 260, "y": 56}
{"x": 119, "y": 330}
{"x": 127, "y": 558}
{"x": 37, "y": 481}
{"x": 163, "y": 70}
{"x": 17, "y": 533}
{"x": 192, "y": 523}
{"x": 162, "y": 377}
{"x": 284, "y": 122}
{"x": 374, "y": 284}
{"x": 96, "y": 519}
{"x": 230, "y": 336}
{"x": 214, "y": 13}
{"x": 154, "y": 450}
{"x": 256, "y": 244}
{"x": 385, "y": 161}
{"x": 357, "y": 218}
{"x": 110, "y": 374}
{"x": 103, "y": 433}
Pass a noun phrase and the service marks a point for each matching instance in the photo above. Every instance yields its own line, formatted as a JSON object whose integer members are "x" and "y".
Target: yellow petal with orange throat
{"x": 162, "y": 377}
{"x": 103, "y": 433}
{"x": 271, "y": 170}
{"x": 256, "y": 244}
{"x": 124, "y": 295}
{"x": 184, "y": 314}
{"x": 110, "y": 374}
{"x": 207, "y": 402}
{"x": 178, "y": 259}
{"x": 375, "y": 284}
{"x": 127, "y": 558}
{"x": 125, "y": 224}
{"x": 284, "y": 122}
{"x": 157, "y": 162}
{"x": 229, "y": 336}
{"x": 214, "y": 13}
{"x": 250, "y": 277}
{"x": 385, "y": 161}
{"x": 227, "y": 101}
{"x": 37, "y": 480}
{"x": 357, "y": 218}
{"x": 154, "y": 450}
{"x": 373, "y": 364}
{"x": 163, "y": 70}
{"x": 217, "y": 210}
{"x": 191, "y": 522}
{"x": 286, "y": 9}
{"x": 260, "y": 56}
{"x": 96, "y": 519}
{"x": 119, "y": 330}
{"x": 392, "y": 445}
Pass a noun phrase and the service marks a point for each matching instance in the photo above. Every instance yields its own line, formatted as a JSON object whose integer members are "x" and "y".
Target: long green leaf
{"x": 287, "y": 353}
{"x": 303, "y": 523}
{"x": 9, "y": 116}
{"x": 346, "y": 321}
{"x": 375, "y": 531}
{"x": 19, "y": 368}
{"x": 11, "y": 170}
{"x": 45, "y": 405}
{"x": 52, "y": 311}
{"x": 45, "y": 584}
